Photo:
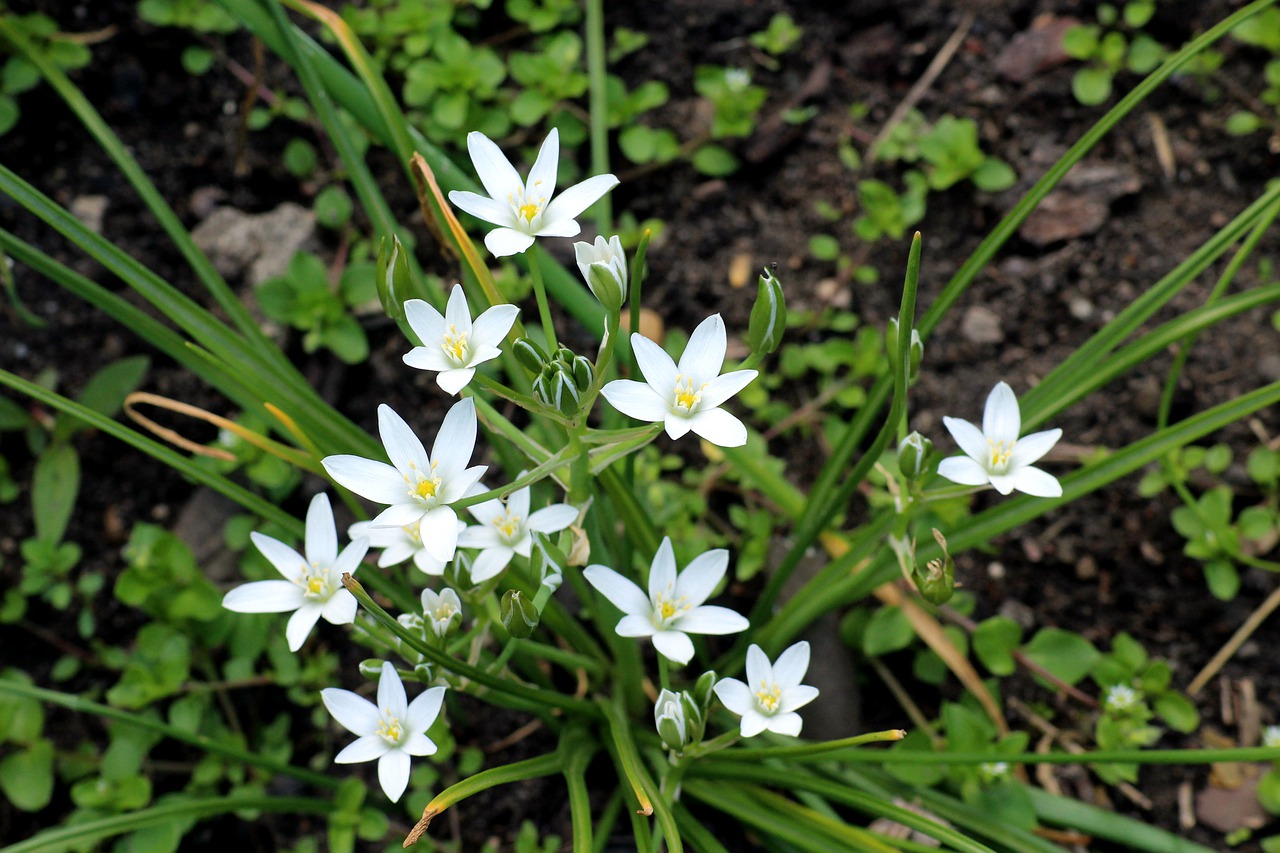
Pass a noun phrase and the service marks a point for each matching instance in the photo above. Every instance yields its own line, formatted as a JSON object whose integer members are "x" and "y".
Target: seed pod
{"x": 518, "y": 614}
{"x": 768, "y": 316}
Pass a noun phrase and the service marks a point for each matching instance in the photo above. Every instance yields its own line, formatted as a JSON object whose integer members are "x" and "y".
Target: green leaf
{"x": 54, "y": 487}
{"x": 197, "y": 60}
{"x": 1144, "y": 54}
{"x": 824, "y": 247}
{"x": 715, "y": 161}
{"x": 105, "y": 391}
{"x": 1080, "y": 42}
{"x": 1178, "y": 711}
{"x": 333, "y": 207}
{"x": 1091, "y": 86}
{"x": 1223, "y": 579}
{"x": 347, "y": 340}
{"x": 1269, "y": 792}
{"x": 638, "y": 144}
{"x": 26, "y": 777}
{"x": 1066, "y": 654}
{"x": 1242, "y": 123}
{"x": 888, "y": 631}
{"x": 1138, "y": 12}
{"x": 300, "y": 158}
{"x": 994, "y": 175}
{"x": 1129, "y": 651}
{"x": 994, "y": 641}
{"x": 9, "y": 113}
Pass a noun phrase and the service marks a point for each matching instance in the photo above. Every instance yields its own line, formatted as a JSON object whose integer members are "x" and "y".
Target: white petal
{"x": 797, "y": 697}
{"x": 1035, "y": 482}
{"x": 758, "y": 667}
{"x": 454, "y": 379}
{"x": 963, "y": 470}
{"x": 710, "y": 619}
{"x": 416, "y": 743}
{"x": 578, "y": 198}
{"x": 507, "y": 241}
{"x": 702, "y": 575}
{"x": 1001, "y": 420}
{"x": 542, "y": 177}
{"x": 675, "y": 646}
{"x": 393, "y": 773}
{"x": 366, "y": 748}
{"x": 482, "y": 207}
{"x": 404, "y": 449}
{"x": 734, "y": 695}
{"x": 753, "y": 723}
{"x": 518, "y": 501}
{"x": 428, "y": 564}
{"x": 636, "y": 400}
{"x": 424, "y": 709}
{"x": 677, "y": 426}
{"x": 492, "y": 326}
{"x": 353, "y": 712}
{"x": 656, "y": 366}
{"x": 784, "y": 724}
{"x": 377, "y": 481}
{"x": 457, "y": 312}
{"x": 1031, "y": 447}
{"x": 427, "y": 358}
{"x": 622, "y": 593}
{"x": 791, "y": 665}
{"x": 340, "y": 609}
{"x": 464, "y": 484}
{"x": 427, "y": 323}
{"x": 494, "y": 170}
{"x": 391, "y": 698}
{"x": 635, "y": 625}
{"x": 1002, "y": 483}
{"x": 490, "y": 563}
{"x": 721, "y": 388}
{"x": 350, "y": 558}
{"x": 264, "y": 597}
{"x": 552, "y": 519}
{"x": 969, "y": 438}
{"x": 321, "y": 535}
{"x": 398, "y": 515}
{"x": 439, "y": 532}
{"x": 479, "y": 536}
{"x": 704, "y": 355}
{"x": 456, "y": 440}
{"x": 662, "y": 571}
{"x": 300, "y": 625}
{"x": 288, "y": 562}
{"x": 718, "y": 427}
{"x": 395, "y": 554}
{"x": 558, "y": 228}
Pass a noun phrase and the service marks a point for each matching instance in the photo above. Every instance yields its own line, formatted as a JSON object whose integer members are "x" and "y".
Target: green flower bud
{"x": 694, "y": 717}
{"x": 914, "y": 454}
{"x": 915, "y": 353}
{"x": 530, "y": 355}
{"x": 937, "y": 582}
{"x": 518, "y": 614}
{"x": 393, "y": 282}
{"x": 371, "y": 668}
{"x": 768, "y": 316}
{"x": 669, "y": 718}
{"x": 583, "y": 372}
{"x": 604, "y": 267}
{"x": 701, "y": 692}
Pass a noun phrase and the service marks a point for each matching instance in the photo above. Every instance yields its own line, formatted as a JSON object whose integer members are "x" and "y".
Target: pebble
{"x": 981, "y": 325}
{"x": 1080, "y": 307}
{"x": 1269, "y": 367}
{"x": 1021, "y": 613}
{"x": 90, "y": 210}
{"x": 257, "y": 246}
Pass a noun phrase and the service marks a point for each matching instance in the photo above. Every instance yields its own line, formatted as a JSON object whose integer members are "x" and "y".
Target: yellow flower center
{"x": 526, "y": 205}
{"x": 1000, "y": 453}
{"x": 455, "y": 346}
{"x": 769, "y": 696}
{"x": 426, "y": 488}
{"x": 315, "y": 582}
{"x": 443, "y": 613}
{"x": 528, "y": 211}
{"x": 508, "y": 525}
{"x": 422, "y": 486}
{"x": 665, "y": 609}
{"x": 413, "y": 532}
{"x": 390, "y": 729}
{"x": 686, "y": 397}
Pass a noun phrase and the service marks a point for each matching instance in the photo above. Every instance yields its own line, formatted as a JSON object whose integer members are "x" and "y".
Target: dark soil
{"x": 1110, "y": 562}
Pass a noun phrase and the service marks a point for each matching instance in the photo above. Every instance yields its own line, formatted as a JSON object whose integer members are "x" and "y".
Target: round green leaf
{"x": 824, "y": 247}
{"x": 333, "y": 207}
{"x": 1066, "y": 654}
{"x": 1091, "y": 85}
{"x": 714, "y": 160}
{"x": 994, "y": 641}
{"x": 26, "y": 777}
{"x": 888, "y": 631}
{"x": 1178, "y": 711}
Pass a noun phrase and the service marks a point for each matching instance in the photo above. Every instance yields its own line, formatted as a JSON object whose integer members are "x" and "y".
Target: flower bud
{"x": 913, "y": 456}
{"x": 768, "y": 316}
{"x": 530, "y": 355}
{"x": 915, "y": 354}
{"x": 392, "y": 277}
{"x": 442, "y": 611}
{"x": 518, "y": 614}
{"x": 371, "y": 668}
{"x": 604, "y": 267}
{"x": 547, "y": 562}
{"x": 669, "y": 718}
{"x": 702, "y": 690}
{"x": 583, "y": 372}
{"x": 937, "y": 583}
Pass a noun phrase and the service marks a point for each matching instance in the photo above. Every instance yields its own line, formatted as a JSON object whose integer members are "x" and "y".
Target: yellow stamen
{"x": 769, "y": 696}
{"x": 427, "y": 488}
{"x": 455, "y": 345}
{"x": 1000, "y": 453}
{"x": 508, "y": 525}
{"x": 528, "y": 211}
{"x": 686, "y": 397}
{"x": 390, "y": 730}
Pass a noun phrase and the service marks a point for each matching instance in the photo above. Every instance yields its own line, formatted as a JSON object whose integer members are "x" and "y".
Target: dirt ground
{"x": 1107, "y": 563}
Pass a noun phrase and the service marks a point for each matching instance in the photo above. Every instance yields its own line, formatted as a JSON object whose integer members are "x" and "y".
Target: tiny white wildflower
{"x": 1120, "y": 697}
{"x": 441, "y": 610}
{"x": 603, "y": 265}
{"x": 772, "y": 692}
{"x": 1271, "y": 737}
{"x": 996, "y": 455}
{"x": 506, "y": 529}
{"x": 451, "y": 343}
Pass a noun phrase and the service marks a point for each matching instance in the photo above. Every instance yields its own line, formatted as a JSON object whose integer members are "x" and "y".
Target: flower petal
{"x": 416, "y": 743}
{"x": 301, "y": 623}
{"x": 427, "y": 323}
{"x": 439, "y": 532}
{"x": 454, "y": 379}
{"x": 377, "y": 481}
{"x": 1001, "y": 419}
{"x": 264, "y": 597}
{"x": 718, "y": 427}
{"x": 622, "y": 593}
{"x": 490, "y": 563}
{"x": 969, "y": 438}
{"x": 340, "y": 609}
{"x": 734, "y": 695}
{"x": 391, "y": 698}
{"x": 288, "y": 562}
{"x": 1035, "y": 482}
{"x": 700, "y": 578}
{"x": 753, "y": 723}
{"x": 635, "y": 625}
{"x": 321, "y": 535}
{"x": 1031, "y": 447}
{"x": 784, "y": 724}
{"x": 723, "y": 387}
{"x": 710, "y": 619}
{"x": 398, "y": 515}
{"x": 492, "y": 326}
{"x": 507, "y": 241}
{"x": 424, "y": 709}
{"x": 457, "y": 312}
{"x": 1002, "y": 483}
{"x": 797, "y": 697}
{"x": 636, "y": 400}
{"x": 758, "y": 667}
{"x": 963, "y": 470}
{"x": 456, "y": 440}
{"x": 552, "y": 519}
{"x": 427, "y": 358}
{"x": 704, "y": 355}
{"x": 367, "y": 748}
{"x": 577, "y": 198}
{"x": 662, "y": 571}
{"x": 675, "y": 646}
{"x": 481, "y": 207}
{"x": 656, "y": 366}
{"x": 791, "y": 665}
{"x": 542, "y": 177}
{"x": 393, "y": 773}
{"x": 353, "y": 712}
{"x": 494, "y": 170}
{"x": 404, "y": 449}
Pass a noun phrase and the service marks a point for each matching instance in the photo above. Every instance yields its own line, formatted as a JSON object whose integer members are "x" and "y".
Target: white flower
{"x": 551, "y": 573}
{"x": 390, "y": 731}
{"x": 442, "y": 610}
{"x": 604, "y": 267}
{"x": 313, "y": 584}
{"x": 418, "y": 489}
{"x": 506, "y": 529}
{"x": 673, "y": 609}
{"x": 524, "y": 209}
{"x": 772, "y": 693}
{"x": 452, "y": 344}
{"x": 1120, "y": 698}
{"x": 668, "y": 718}
{"x": 399, "y": 544}
{"x": 1271, "y": 737}
{"x": 996, "y": 455}
{"x": 687, "y": 396}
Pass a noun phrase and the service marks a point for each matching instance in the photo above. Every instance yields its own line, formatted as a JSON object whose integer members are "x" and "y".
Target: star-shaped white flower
{"x": 772, "y": 693}
{"x": 390, "y": 731}
{"x": 603, "y": 265}
{"x": 452, "y": 344}
{"x": 673, "y": 609}
{"x": 313, "y": 584}
{"x": 417, "y": 488}
{"x": 399, "y": 544}
{"x": 996, "y": 455}
{"x": 524, "y": 209}
{"x": 441, "y": 610}
{"x": 686, "y": 396}
{"x": 506, "y": 529}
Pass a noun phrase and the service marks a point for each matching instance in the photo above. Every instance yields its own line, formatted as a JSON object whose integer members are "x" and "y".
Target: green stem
{"x": 531, "y": 768}
{"x": 812, "y": 749}
{"x": 524, "y": 401}
{"x": 599, "y": 106}
{"x": 540, "y": 295}
{"x": 577, "y": 749}
{"x": 560, "y": 460}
